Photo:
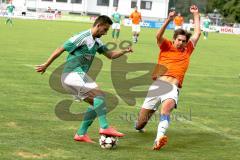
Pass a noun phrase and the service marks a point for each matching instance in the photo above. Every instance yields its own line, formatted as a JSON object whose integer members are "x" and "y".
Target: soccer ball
{"x": 108, "y": 142}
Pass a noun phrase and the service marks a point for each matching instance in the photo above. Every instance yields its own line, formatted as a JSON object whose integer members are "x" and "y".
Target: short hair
{"x": 103, "y": 20}
{"x": 182, "y": 32}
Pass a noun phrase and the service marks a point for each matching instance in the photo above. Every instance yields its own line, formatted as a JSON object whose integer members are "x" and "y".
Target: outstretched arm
{"x": 42, "y": 67}
{"x": 116, "y": 54}
{"x": 197, "y": 30}
{"x": 161, "y": 31}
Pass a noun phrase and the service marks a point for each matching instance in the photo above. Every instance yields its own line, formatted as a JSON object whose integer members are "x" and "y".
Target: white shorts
{"x": 158, "y": 92}
{"x": 178, "y": 27}
{"x": 206, "y": 29}
{"x": 136, "y": 28}
{"x": 116, "y": 26}
{"x": 9, "y": 15}
{"x": 78, "y": 84}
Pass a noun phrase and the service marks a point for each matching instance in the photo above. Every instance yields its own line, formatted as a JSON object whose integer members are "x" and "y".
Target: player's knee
{"x": 167, "y": 106}
{"x": 98, "y": 93}
{"x": 167, "y": 109}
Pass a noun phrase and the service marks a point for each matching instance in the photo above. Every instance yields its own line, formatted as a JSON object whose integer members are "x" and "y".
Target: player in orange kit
{"x": 136, "y": 19}
{"x": 178, "y": 21}
{"x": 173, "y": 63}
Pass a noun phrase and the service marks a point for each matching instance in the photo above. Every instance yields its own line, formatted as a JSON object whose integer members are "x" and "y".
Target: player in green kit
{"x": 206, "y": 25}
{"x": 10, "y": 9}
{"x": 116, "y": 18}
{"x": 82, "y": 49}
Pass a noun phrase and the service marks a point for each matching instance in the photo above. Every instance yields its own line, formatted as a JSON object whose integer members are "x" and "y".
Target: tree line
{"x": 229, "y": 9}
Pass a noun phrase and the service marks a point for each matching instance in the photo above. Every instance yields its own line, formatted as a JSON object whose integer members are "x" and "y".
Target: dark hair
{"x": 102, "y": 20}
{"x": 182, "y": 32}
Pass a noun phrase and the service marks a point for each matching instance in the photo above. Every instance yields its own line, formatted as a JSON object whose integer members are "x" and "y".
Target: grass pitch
{"x": 205, "y": 125}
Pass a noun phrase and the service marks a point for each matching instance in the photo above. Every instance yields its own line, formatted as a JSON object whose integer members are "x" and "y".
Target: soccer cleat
{"x": 83, "y": 138}
{"x": 111, "y": 132}
{"x": 159, "y": 143}
{"x": 143, "y": 130}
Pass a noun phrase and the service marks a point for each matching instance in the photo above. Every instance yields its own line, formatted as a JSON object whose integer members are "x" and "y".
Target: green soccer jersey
{"x": 82, "y": 49}
{"x": 116, "y": 17}
{"x": 206, "y": 23}
{"x": 10, "y": 8}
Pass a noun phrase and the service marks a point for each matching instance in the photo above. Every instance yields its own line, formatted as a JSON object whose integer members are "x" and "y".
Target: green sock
{"x": 113, "y": 33}
{"x": 206, "y": 34}
{"x": 118, "y": 32}
{"x": 88, "y": 119}
{"x": 101, "y": 110}
{"x": 7, "y": 21}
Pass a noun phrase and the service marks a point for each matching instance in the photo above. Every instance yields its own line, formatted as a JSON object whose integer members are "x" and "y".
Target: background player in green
{"x": 82, "y": 49}
{"x": 206, "y": 25}
{"x": 116, "y": 18}
{"x": 10, "y": 8}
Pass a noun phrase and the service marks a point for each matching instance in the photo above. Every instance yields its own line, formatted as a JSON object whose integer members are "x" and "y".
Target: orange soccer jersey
{"x": 174, "y": 60}
{"x": 136, "y": 17}
{"x": 178, "y": 20}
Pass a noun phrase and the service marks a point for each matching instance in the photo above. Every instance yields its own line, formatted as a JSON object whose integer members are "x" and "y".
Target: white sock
{"x": 162, "y": 127}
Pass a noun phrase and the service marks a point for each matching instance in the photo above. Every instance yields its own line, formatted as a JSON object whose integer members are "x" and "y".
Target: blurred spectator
{"x": 191, "y": 25}
{"x": 24, "y": 10}
{"x": 49, "y": 10}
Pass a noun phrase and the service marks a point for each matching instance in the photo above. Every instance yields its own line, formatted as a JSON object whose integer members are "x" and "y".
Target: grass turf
{"x": 205, "y": 125}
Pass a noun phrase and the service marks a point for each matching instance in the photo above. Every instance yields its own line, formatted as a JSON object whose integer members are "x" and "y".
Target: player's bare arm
{"x": 161, "y": 31}
{"x": 197, "y": 31}
{"x": 116, "y": 54}
{"x": 42, "y": 67}
{"x": 131, "y": 17}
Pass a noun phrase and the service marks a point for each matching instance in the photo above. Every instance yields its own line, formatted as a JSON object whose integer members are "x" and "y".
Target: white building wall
{"x": 38, "y": 4}
{"x": 31, "y": 4}
{"x": 19, "y": 4}
{"x": 92, "y": 7}
{"x": 124, "y": 7}
{"x": 159, "y": 7}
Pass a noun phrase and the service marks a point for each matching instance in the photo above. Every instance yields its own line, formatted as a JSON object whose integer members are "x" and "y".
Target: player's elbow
{"x": 158, "y": 37}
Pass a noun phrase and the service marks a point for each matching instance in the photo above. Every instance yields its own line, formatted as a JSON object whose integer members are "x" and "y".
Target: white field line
{"x": 209, "y": 129}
